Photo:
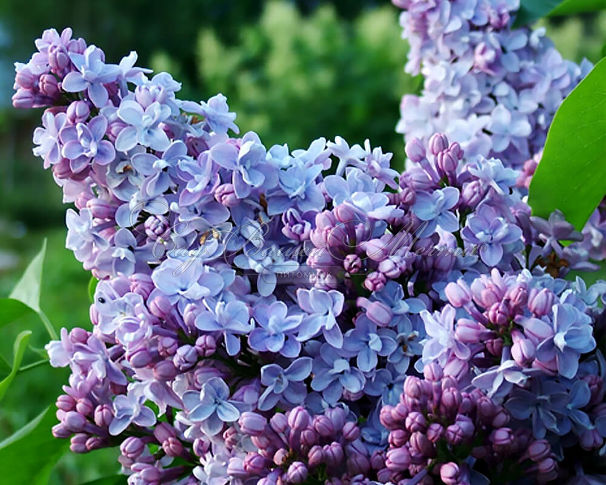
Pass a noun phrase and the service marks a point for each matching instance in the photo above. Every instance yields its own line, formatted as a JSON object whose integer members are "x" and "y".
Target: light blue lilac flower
{"x": 572, "y": 337}
{"x": 367, "y": 343}
{"x": 434, "y": 210}
{"x": 84, "y": 143}
{"x": 47, "y": 138}
{"x": 441, "y": 343}
{"x": 490, "y": 232}
{"x": 332, "y": 374}
{"x": 215, "y": 111}
{"x": 91, "y": 75}
{"x": 268, "y": 263}
{"x": 129, "y": 409}
{"x": 211, "y": 407}
{"x": 323, "y": 307}
{"x": 284, "y": 384}
{"x": 186, "y": 278}
{"x": 143, "y": 126}
{"x": 229, "y": 320}
{"x": 275, "y": 330}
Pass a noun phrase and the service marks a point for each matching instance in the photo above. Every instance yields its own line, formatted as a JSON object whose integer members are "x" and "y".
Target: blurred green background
{"x": 292, "y": 70}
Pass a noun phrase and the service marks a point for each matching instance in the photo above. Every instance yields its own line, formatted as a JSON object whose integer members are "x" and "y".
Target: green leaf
{"x": 19, "y": 348}
{"x": 570, "y": 7}
{"x": 11, "y": 310}
{"x": 112, "y": 480}
{"x": 572, "y": 174}
{"x": 28, "y": 456}
{"x": 27, "y": 290}
{"x": 92, "y": 286}
{"x": 532, "y": 10}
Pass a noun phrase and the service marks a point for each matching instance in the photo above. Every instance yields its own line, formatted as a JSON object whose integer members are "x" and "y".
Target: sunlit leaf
{"x": 571, "y": 176}
{"x": 11, "y": 310}
{"x": 532, "y": 10}
{"x": 28, "y": 288}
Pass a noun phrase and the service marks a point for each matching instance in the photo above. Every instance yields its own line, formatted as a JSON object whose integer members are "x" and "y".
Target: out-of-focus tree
{"x": 293, "y": 78}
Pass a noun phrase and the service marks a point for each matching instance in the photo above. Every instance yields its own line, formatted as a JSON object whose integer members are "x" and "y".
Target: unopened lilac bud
{"x": 438, "y": 143}
{"x": 279, "y": 423}
{"x": 24, "y": 78}
{"x": 522, "y": 350}
{"x": 398, "y": 438}
{"x": 344, "y": 214}
{"x": 103, "y": 415}
{"x": 78, "y": 443}
{"x": 78, "y": 112}
{"x": 472, "y": 193}
{"x": 252, "y": 423}
{"x": 447, "y": 162}
{"x": 379, "y": 313}
{"x": 495, "y": 346}
{"x": 23, "y": 99}
{"x": 375, "y": 281}
{"x": 186, "y": 357}
{"x": 226, "y": 195}
{"x": 500, "y": 419}
{"x": 451, "y": 400}
{"x": 165, "y": 370}
{"x": 298, "y": 418}
{"x": 48, "y": 85}
{"x": 547, "y": 467}
{"x": 350, "y": 431}
{"x": 309, "y": 437}
{"x": 323, "y": 425}
{"x": 206, "y": 345}
{"x": 590, "y": 439}
{"x": 416, "y": 421}
{"x": 540, "y": 302}
{"x": 469, "y": 331}
{"x": 84, "y": 406}
{"x": 58, "y": 59}
{"x": 200, "y": 447}
{"x": 167, "y": 346}
{"x": 280, "y": 456}
{"x": 502, "y": 439}
{"x": 398, "y": 459}
{"x": 387, "y": 419}
{"x": 450, "y": 473}
{"x": 296, "y": 473}
{"x": 95, "y": 443}
{"x": 333, "y": 454}
{"x": 315, "y": 456}
{"x": 74, "y": 421}
{"x": 140, "y": 358}
{"x": 160, "y": 306}
{"x": 148, "y": 473}
{"x": 132, "y": 447}
{"x": 61, "y": 431}
{"x": 435, "y": 431}
{"x": 539, "y": 450}
{"x": 254, "y": 464}
{"x": 421, "y": 446}
{"x": 352, "y": 263}
{"x": 66, "y": 402}
{"x": 172, "y": 447}
{"x": 433, "y": 372}
{"x": 415, "y": 150}
{"x": 458, "y": 293}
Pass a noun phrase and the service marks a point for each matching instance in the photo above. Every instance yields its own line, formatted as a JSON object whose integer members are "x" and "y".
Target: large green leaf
{"x": 532, "y": 10}
{"x": 572, "y": 174}
{"x": 569, "y": 7}
{"x": 11, "y": 310}
{"x": 28, "y": 456}
{"x": 19, "y": 348}
{"x": 28, "y": 288}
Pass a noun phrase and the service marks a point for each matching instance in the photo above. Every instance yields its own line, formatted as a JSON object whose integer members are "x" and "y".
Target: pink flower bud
{"x": 172, "y": 447}
{"x": 163, "y": 431}
{"x": 103, "y": 415}
{"x": 450, "y": 473}
{"x": 416, "y": 421}
{"x": 296, "y": 473}
{"x": 279, "y": 423}
{"x": 225, "y": 194}
{"x": 252, "y": 423}
{"x": 398, "y": 438}
{"x": 78, "y": 112}
{"x": 333, "y": 454}
{"x": 352, "y": 263}
{"x": 78, "y": 443}
{"x": 315, "y": 456}
{"x": 350, "y": 431}
{"x": 398, "y": 459}
{"x": 160, "y": 306}
{"x": 438, "y": 143}
{"x": 84, "y": 406}
{"x": 48, "y": 85}
{"x": 502, "y": 439}
{"x": 66, "y": 402}
{"x": 74, "y": 421}
{"x": 165, "y": 370}
{"x": 540, "y": 302}
{"x": 298, "y": 418}
{"x": 132, "y": 447}
{"x": 206, "y": 345}
{"x": 458, "y": 293}
{"x": 415, "y": 150}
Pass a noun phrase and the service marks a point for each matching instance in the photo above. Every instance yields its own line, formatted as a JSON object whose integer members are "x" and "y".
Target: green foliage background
{"x": 292, "y": 70}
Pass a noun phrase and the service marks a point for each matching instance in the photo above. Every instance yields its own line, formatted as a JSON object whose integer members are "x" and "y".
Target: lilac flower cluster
{"x": 489, "y": 87}
{"x": 260, "y": 310}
